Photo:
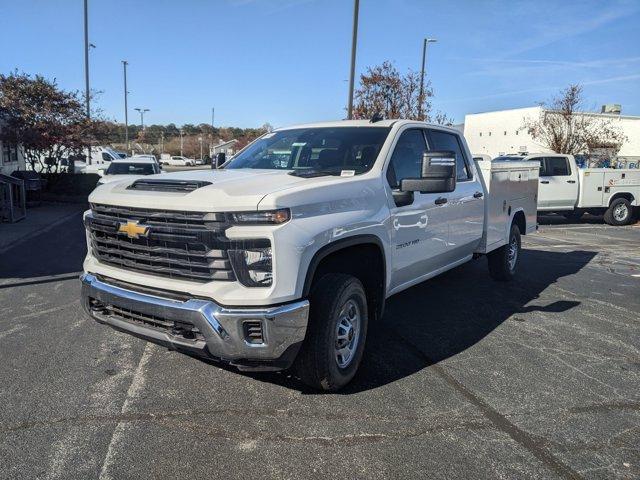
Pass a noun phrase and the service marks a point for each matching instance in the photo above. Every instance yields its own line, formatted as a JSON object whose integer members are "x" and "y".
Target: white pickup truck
{"x": 285, "y": 255}
{"x": 572, "y": 191}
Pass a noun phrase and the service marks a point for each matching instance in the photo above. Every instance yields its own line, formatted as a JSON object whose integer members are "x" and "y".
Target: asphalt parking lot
{"x": 466, "y": 378}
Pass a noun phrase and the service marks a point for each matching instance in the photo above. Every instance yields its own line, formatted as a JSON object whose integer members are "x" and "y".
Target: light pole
{"x": 200, "y": 140}
{"x": 126, "y": 109}
{"x": 142, "y": 111}
{"x": 213, "y": 112}
{"x": 424, "y": 59}
{"x": 181, "y": 141}
{"x": 354, "y": 41}
{"x": 86, "y": 69}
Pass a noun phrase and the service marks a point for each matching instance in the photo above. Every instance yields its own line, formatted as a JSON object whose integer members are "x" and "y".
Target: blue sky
{"x": 287, "y": 61}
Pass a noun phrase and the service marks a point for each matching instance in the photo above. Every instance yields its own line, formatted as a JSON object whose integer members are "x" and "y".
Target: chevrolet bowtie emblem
{"x": 132, "y": 230}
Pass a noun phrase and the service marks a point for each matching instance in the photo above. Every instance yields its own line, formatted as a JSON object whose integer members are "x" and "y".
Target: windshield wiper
{"x": 314, "y": 173}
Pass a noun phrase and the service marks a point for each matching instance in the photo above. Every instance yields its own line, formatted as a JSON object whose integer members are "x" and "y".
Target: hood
{"x": 230, "y": 190}
{"x": 118, "y": 178}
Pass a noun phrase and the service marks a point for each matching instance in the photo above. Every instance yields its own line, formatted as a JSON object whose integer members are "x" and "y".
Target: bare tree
{"x": 565, "y": 127}
{"x": 384, "y": 90}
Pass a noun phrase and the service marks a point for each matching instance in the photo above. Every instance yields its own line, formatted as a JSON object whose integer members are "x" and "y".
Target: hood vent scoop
{"x": 168, "y": 185}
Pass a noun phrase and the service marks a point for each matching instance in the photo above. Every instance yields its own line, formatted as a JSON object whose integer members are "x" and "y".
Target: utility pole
{"x": 354, "y": 40}
{"x": 142, "y": 111}
{"x": 161, "y": 142}
{"x": 86, "y": 69}
{"x": 126, "y": 109}
{"x": 424, "y": 59}
{"x": 181, "y": 141}
{"x": 213, "y": 112}
{"x": 200, "y": 140}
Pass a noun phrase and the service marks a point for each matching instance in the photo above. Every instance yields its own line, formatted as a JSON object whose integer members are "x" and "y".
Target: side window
{"x": 106, "y": 157}
{"x": 447, "y": 141}
{"x": 555, "y": 167}
{"x": 406, "y": 161}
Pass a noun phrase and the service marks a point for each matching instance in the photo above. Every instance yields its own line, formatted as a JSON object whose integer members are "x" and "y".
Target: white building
{"x": 501, "y": 132}
{"x": 11, "y": 158}
{"x": 223, "y": 147}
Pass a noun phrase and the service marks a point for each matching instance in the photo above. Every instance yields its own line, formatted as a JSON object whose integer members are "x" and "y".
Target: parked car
{"x": 179, "y": 161}
{"x": 282, "y": 260}
{"x": 572, "y": 191}
{"x": 129, "y": 169}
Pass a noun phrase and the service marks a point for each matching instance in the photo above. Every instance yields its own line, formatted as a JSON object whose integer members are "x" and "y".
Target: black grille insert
{"x": 181, "y": 329}
{"x": 253, "y": 332}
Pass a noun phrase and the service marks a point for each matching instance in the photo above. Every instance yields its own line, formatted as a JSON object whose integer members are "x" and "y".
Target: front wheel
{"x": 619, "y": 212}
{"x": 503, "y": 261}
{"x": 336, "y": 334}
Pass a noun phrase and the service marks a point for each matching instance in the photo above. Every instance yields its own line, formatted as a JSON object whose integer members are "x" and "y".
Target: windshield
{"x": 130, "y": 169}
{"x": 314, "y": 149}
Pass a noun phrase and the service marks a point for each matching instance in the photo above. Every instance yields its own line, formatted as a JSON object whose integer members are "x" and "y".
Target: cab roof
{"x": 365, "y": 124}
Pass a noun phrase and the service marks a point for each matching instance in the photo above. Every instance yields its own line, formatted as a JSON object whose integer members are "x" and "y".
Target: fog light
{"x": 253, "y": 267}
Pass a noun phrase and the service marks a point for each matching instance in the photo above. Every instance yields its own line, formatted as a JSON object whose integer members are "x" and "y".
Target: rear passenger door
{"x": 558, "y": 185}
{"x": 465, "y": 205}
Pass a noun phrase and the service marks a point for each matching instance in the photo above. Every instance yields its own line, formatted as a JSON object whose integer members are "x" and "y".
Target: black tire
{"x": 500, "y": 266}
{"x": 613, "y": 214}
{"x": 574, "y": 215}
{"x": 317, "y": 363}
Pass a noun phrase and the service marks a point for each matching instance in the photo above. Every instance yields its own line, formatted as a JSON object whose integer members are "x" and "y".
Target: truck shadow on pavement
{"x": 448, "y": 314}
{"x": 49, "y": 257}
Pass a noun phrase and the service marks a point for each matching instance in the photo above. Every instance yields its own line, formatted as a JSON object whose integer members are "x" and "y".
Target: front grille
{"x": 178, "y": 244}
{"x": 181, "y": 329}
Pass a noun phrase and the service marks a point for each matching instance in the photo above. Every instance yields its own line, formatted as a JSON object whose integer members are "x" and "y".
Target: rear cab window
{"x": 440, "y": 140}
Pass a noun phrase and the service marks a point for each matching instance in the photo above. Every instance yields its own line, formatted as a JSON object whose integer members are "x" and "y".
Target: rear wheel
{"x": 619, "y": 212}
{"x": 503, "y": 261}
{"x": 336, "y": 334}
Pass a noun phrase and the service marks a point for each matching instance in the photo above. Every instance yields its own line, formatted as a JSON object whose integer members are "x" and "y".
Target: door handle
{"x": 571, "y": 181}
{"x": 544, "y": 181}
{"x": 440, "y": 201}
{"x": 478, "y": 195}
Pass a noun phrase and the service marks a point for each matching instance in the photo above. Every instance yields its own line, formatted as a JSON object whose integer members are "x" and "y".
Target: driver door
{"x": 418, "y": 225}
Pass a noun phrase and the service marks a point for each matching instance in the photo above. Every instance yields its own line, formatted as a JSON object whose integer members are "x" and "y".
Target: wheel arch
{"x": 520, "y": 220}
{"x": 360, "y": 255}
{"x": 626, "y": 195}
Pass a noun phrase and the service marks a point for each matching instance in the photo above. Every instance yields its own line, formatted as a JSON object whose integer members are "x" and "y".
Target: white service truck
{"x": 572, "y": 191}
{"x": 284, "y": 257}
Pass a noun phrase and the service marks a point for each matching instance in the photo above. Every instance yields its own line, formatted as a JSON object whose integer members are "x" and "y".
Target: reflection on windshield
{"x": 314, "y": 149}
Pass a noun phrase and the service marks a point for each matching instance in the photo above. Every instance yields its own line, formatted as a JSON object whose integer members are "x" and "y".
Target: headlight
{"x": 253, "y": 267}
{"x": 273, "y": 217}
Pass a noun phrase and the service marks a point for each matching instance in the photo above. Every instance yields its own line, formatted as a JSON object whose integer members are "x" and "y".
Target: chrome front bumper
{"x": 222, "y": 333}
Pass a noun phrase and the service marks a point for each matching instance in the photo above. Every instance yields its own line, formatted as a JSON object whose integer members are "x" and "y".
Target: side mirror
{"x": 220, "y": 159}
{"x": 438, "y": 174}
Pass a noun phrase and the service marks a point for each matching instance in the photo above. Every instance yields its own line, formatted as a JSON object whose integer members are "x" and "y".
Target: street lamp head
{"x": 430, "y": 40}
